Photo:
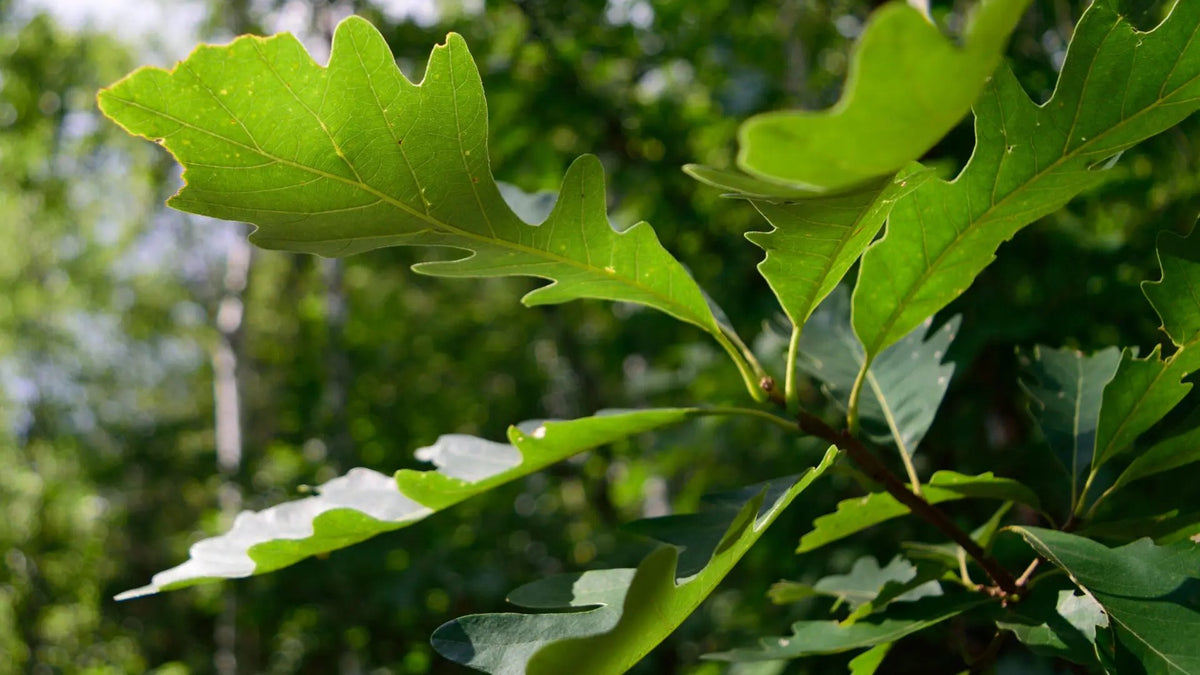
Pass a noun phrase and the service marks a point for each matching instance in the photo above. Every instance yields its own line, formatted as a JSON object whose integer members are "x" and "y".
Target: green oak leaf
{"x": 609, "y": 630}
{"x": 908, "y": 85}
{"x": 1164, "y": 528}
{"x": 1067, "y": 389}
{"x": 1150, "y": 593}
{"x": 350, "y": 157}
{"x": 831, "y": 637}
{"x": 904, "y": 386}
{"x": 855, "y": 515}
{"x": 1145, "y": 390}
{"x": 861, "y": 585}
{"x": 363, "y": 503}
{"x": 814, "y": 238}
{"x": 1118, "y": 86}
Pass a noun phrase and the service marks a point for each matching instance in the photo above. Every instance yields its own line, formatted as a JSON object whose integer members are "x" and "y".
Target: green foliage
{"x": 636, "y": 608}
{"x": 1148, "y": 593}
{"x": 901, "y": 63}
{"x": 353, "y": 156}
{"x": 1029, "y": 160}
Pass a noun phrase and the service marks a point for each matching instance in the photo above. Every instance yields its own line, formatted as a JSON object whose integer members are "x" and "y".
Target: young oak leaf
{"x": 345, "y": 158}
{"x": 363, "y": 503}
{"x": 1118, "y": 86}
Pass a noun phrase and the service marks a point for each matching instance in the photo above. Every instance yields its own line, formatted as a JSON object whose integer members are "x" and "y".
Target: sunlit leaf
{"x": 1150, "y": 593}
{"x": 869, "y": 661}
{"x": 607, "y": 631}
{"x": 346, "y": 158}
{"x": 908, "y": 86}
{"x": 364, "y": 503}
{"x": 1117, "y": 87}
{"x": 855, "y": 515}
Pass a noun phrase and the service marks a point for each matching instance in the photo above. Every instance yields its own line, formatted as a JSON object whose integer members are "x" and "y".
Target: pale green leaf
{"x": 1150, "y": 593}
{"x": 1117, "y": 87}
{"x": 1057, "y": 620}
{"x": 346, "y": 158}
{"x": 908, "y": 86}
{"x": 904, "y": 386}
{"x": 831, "y": 637}
{"x": 855, "y": 515}
{"x": 861, "y": 585}
{"x": 1067, "y": 389}
{"x": 609, "y": 631}
{"x": 364, "y": 503}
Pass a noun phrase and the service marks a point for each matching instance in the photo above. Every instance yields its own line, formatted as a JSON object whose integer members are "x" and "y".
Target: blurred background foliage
{"x": 111, "y": 308}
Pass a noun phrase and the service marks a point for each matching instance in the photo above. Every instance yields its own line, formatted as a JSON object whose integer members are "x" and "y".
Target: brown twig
{"x": 870, "y": 465}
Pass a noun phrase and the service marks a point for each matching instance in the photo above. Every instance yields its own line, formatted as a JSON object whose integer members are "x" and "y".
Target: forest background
{"x": 130, "y": 333}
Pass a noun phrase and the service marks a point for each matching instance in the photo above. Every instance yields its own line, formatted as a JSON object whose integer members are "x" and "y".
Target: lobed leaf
{"x": 855, "y": 515}
{"x": 1150, "y": 593}
{"x": 610, "y": 630}
{"x": 350, "y": 157}
{"x": 1118, "y": 86}
{"x": 908, "y": 86}
{"x": 830, "y": 637}
{"x": 904, "y": 386}
{"x": 861, "y": 585}
{"x": 364, "y": 503}
{"x": 1145, "y": 390}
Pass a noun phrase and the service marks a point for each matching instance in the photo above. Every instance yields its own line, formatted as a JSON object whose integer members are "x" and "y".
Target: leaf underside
{"x": 904, "y": 386}
{"x": 364, "y": 503}
{"x": 609, "y": 631}
{"x": 350, "y": 157}
{"x": 1118, "y": 86}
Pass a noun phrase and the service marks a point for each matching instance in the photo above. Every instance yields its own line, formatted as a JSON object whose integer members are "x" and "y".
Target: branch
{"x": 870, "y": 465}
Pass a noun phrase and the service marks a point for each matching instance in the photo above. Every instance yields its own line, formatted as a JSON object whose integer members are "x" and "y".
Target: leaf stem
{"x": 752, "y": 372}
{"x": 874, "y": 468}
{"x": 855, "y": 395}
{"x": 751, "y": 412}
{"x": 791, "y": 397}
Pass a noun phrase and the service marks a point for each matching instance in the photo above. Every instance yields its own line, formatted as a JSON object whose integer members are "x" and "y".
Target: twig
{"x": 871, "y": 466}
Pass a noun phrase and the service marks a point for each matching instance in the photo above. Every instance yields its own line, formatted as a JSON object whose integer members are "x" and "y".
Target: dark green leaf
{"x": 364, "y": 503}
{"x": 1150, "y": 593}
{"x": 1058, "y": 620}
{"x": 1067, "y": 389}
{"x": 639, "y": 608}
{"x": 854, "y": 515}
{"x": 908, "y": 86}
{"x": 1117, "y": 87}
{"x": 1165, "y": 455}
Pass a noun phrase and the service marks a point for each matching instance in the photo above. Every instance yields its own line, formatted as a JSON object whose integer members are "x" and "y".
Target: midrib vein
{"x": 682, "y": 310}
